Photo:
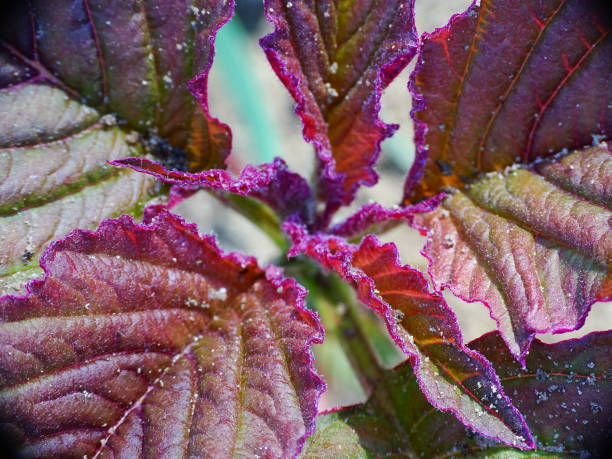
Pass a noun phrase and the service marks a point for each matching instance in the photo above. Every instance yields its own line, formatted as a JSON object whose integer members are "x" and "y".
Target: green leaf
{"x": 53, "y": 174}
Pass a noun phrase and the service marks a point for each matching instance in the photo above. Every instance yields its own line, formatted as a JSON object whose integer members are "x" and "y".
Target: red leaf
{"x": 148, "y": 341}
{"x": 335, "y": 60}
{"x": 451, "y": 376}
{"x": 509, "y": 82}
{"x": 374, "y": 218}
{"x": 529, "y": 244}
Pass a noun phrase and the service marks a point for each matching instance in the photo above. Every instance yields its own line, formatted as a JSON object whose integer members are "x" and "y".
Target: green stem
{"x": 355, "y": 344}
{"x": 259, "y": 214}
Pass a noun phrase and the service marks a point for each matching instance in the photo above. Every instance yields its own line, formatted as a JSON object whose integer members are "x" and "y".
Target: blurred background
{"x": 246, "y": 94}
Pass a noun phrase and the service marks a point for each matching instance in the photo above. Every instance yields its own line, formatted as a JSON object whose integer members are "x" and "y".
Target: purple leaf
{"x": 272, "y": 183}
{"x": 335, "y": 60}
{"x": 374, "y": 218}
{"x": 148, "y": 341}
{"x": 533, "y": 244}
{"x": 562, "y": 391}
{"x": 453, "y": 377}
{"x": 509, "y": 82}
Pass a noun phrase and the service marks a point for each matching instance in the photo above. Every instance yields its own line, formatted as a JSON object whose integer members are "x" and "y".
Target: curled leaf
{"x": 210, "y": 141}
{"x": 451, "y": 376}
{"x": 272, "y": 183}
{"x": 509, "y": 82}
{"x": 533, "y": 244}
{"x": 374, "y": 218}
{"x": 562, "y": 391}
{"x": 148, "y": 341}
{"x": 335, "y": 59}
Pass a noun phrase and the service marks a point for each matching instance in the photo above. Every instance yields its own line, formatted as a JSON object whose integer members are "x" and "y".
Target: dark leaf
{"x": 563, "y": 392}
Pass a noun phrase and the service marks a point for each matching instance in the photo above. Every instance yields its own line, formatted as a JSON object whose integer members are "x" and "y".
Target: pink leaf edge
{"x": 468, "y": 299}
{"x": 198, "y": 85}
{"x": 272, "y": 183}
{"x": 290, "y": 70}
{"x": 373, "y": 215}
{"x": 417, "y": 170}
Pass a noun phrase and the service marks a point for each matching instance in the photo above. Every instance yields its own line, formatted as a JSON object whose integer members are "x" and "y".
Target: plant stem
{"x": 337, "y": 306}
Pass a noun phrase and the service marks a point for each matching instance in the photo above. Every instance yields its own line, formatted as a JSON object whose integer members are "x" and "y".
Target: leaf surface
{"x": 453, "y": 377}
{"x": 84, "y": 83}
{"x": 54, "y": 177}
{"x": 562, "y": 386}
{"x": 133, "y": 59}
{"x": 335, "y": 58}
{"x": 533, "y": 244}
{"x": 148, "y": 341}
{"x": 506, "y": 83}
{"x": 374, "y": 218}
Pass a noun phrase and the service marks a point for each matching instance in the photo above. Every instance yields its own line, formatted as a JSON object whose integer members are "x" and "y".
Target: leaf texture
{"x": 272, "y": 183}
{"x": 453, "y": 377}
{"x": 148, "y": 341}
{"x": 533, "y": 244}
{"x": 89, "y": 82}
{"x": 562, "y": 392}
{"x": 53, "y": 174}
{"x": 509, "y": 82}
{"x": 132, "y": 59}
{"x": 335, "y": 58}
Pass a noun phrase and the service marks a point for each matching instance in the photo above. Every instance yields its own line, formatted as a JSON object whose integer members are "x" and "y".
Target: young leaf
{"x": 272, "y": 183}
{"x": 563, "y": 385}
{"x": 374, "y": 218}
{"x": 453, "y": 377}
{"x": 148, "y": 341}
{"x": 335, "y": 59}
{"x": 509, "y": 82}
{"x": 534, "y": 244}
